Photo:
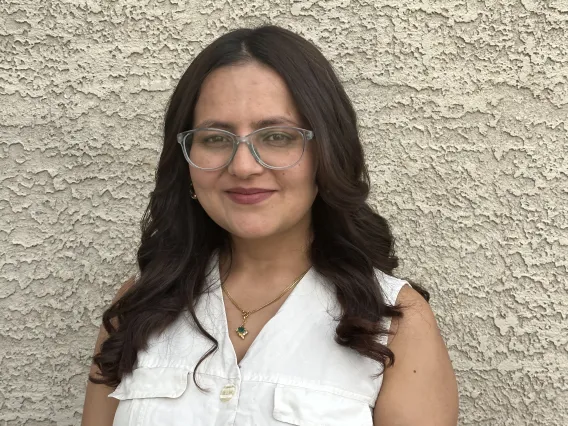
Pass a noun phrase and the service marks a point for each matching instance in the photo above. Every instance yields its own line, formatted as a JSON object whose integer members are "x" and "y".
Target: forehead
{"x": 245, "y": 95}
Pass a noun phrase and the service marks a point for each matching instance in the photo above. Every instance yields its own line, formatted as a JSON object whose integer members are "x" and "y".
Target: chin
{"x": 251, "y": 234}
{"x": 252, "y": 229}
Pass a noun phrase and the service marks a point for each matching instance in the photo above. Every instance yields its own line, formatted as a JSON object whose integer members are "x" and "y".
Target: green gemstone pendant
{"x": 242, "y": 331}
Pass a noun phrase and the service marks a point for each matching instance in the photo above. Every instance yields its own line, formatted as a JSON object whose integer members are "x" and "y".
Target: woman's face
{"x": 245, "y": 97}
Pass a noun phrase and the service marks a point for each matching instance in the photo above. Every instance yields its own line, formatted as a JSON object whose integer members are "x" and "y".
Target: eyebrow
{"x": 265, "y": 122}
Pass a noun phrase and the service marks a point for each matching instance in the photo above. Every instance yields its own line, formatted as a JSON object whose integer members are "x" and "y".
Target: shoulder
{"x": 417, "y": 318}
{"x": 420, "y": 387}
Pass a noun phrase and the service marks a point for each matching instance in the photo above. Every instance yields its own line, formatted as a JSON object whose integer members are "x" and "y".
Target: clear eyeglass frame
{"x": 307, "y": 134}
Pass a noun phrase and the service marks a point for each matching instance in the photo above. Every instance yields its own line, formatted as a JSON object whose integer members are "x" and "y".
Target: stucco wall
{"x": 462, "y": 107}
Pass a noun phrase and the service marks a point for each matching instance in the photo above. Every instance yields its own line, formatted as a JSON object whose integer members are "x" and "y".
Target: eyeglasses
{"x": 273, "y": 147}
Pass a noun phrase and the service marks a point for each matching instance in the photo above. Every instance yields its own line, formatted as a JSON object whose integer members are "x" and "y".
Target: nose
{"x": 244, "y": 164}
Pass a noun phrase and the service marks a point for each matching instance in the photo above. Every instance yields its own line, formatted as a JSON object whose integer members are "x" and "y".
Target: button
{"x": 227, "y": 392}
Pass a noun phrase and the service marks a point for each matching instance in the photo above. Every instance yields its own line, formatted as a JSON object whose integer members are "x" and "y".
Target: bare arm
{"x": 98, "y": 409}
{"x": 420, "y": 389}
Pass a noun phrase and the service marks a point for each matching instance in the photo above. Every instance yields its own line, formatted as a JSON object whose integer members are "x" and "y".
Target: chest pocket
{"x": 149, "y": 396}
{"x": 307, "y": 407}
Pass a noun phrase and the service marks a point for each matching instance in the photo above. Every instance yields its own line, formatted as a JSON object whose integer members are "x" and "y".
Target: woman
{"x": 265, "y": 295}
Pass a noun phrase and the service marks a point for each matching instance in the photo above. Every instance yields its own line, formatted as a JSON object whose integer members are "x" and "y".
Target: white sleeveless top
{"x": 293, "y": 373}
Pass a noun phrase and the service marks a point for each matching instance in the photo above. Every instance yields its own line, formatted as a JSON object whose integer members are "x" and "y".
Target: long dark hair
{"x": 178, "y": 237}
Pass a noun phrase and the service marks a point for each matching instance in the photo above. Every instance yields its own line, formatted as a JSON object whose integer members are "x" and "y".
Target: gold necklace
{"x": 242, "y": 331}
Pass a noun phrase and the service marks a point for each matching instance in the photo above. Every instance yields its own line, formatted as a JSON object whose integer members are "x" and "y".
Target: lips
{"x": 248, "y": 191}
{"x": 249, "y": 196}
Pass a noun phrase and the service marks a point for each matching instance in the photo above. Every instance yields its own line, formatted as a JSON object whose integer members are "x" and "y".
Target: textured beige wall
{"x": 462, "y": 108}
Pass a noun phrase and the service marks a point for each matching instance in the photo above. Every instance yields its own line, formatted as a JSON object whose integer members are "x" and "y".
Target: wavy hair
{"x": 178, "y": 237}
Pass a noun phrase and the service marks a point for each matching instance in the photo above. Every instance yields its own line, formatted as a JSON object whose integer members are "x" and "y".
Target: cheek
{"x": 299, "y": 188}
{"x": 202, "y": 180}
{"x": 205, "y": 186}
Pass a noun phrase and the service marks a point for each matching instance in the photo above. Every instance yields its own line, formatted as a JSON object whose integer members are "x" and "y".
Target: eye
{"x": 277, "y": 137}
{"x": 216, "y": 138}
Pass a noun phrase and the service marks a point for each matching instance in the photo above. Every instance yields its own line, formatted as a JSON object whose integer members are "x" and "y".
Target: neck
{"x": 269, "y": 257}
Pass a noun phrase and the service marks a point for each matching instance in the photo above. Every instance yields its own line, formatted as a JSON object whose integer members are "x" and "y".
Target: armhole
{"x": 390, "y": 288}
